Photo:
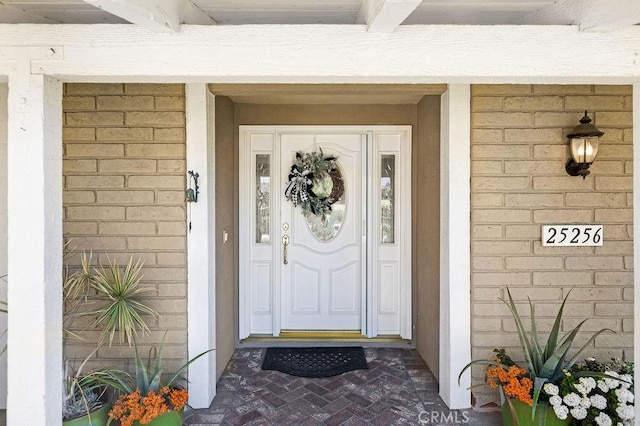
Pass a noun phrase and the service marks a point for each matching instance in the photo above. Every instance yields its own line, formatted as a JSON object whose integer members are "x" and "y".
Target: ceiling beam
{"x": 159, "y": 16}
{"x": 341, "y": 54}
{"x": 384, "y": 16}
{"x": 590, "y": 15}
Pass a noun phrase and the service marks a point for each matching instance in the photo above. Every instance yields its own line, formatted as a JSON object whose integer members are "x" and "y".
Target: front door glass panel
{"x": 326, "y": 227}
{"x": 263, "y": 189}
{"x": 387, "y": 199}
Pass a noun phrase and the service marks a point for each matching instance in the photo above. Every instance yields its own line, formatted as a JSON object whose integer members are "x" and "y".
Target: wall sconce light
{"x": 583, "y": 143}
{"x": 193, "y": 190}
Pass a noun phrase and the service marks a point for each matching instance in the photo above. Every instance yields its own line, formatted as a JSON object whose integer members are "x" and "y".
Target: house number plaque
{"x": 572, "y": 235}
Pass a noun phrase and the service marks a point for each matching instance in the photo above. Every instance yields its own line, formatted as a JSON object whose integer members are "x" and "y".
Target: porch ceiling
{"x": 327, "y": 94}
{"x": 379, "y": 15}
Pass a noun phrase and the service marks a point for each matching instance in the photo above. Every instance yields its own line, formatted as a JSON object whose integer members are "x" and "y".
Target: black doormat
{"x": 315, "y": 362}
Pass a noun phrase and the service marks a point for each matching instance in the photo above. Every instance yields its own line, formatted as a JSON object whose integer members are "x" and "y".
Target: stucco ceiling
{"x": 326, "y": 94}
{"x": 620, "y": 13}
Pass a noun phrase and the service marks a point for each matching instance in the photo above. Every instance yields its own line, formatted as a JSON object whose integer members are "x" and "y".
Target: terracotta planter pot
{"x": 522, "y": 413}
{"x": 170, "y": 418}
{"x": 98, "y": 418}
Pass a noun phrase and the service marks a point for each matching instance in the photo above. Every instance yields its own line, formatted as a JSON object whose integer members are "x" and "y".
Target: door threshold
{"x": 323, "y": 339}
{"x": 321, "y": 334}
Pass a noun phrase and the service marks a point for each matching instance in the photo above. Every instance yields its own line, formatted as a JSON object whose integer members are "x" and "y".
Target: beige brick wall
{"x": 124, "y": 179}
{"x": 519, "y": 149}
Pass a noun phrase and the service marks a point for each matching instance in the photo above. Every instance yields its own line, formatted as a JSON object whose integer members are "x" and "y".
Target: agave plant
{"x": 545, "y": 364}
{"x": 147, "y": 377}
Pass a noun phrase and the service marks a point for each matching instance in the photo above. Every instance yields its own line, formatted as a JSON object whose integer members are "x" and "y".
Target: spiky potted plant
{"x": 520, "y": 386}
{"x": 146, "y": 397}
{"x": 83, "y": 397}
{"x": 115, "y": 292}
{"x": 111, "y": 296}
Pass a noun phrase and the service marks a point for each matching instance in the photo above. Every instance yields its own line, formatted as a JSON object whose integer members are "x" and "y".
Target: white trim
{"x": 364, "y": 231}
{"x": 245, "y": 54}
{"x": 201, "y": 247}
{"x": 34, "y": 249}
{"x": 455, "y": 254}
{"x": 636, "y": 234}
{"x": 371, "y": 297}
{"x": 275, "y": 229}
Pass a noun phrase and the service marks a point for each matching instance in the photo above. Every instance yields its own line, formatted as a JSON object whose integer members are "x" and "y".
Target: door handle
{"x": 285, "y": 243}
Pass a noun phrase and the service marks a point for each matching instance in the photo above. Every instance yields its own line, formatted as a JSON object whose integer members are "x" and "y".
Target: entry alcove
{"x": 324, "y": 104}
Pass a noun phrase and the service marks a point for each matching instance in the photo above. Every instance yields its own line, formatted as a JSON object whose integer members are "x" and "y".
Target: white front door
{"x": 322, "y": 275}
{"x": 349, "y": 273}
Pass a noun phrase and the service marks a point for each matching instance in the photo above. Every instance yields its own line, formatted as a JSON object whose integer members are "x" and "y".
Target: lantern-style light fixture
{"x": 583, "y": 142}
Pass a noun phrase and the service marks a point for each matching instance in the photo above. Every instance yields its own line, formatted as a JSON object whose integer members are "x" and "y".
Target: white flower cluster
{"x": 562, "y": 411}
{"x": 580, "y": 404}
{"x": 624, "y": 396}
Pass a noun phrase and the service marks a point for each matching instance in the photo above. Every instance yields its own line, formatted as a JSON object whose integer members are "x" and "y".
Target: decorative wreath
{"x": 315, "y": 183}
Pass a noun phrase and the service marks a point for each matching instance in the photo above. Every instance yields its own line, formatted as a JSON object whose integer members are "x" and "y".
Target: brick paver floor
{"x": 398, "y": 388}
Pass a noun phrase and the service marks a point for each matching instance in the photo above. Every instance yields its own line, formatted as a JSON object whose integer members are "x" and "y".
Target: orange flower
{"x": 178, "y": 398}
{"x": 127, "y": 408}
{"x": 134, "y": 407}
{"x": 153, "y": 406}
{"x": 514, "y": 382}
